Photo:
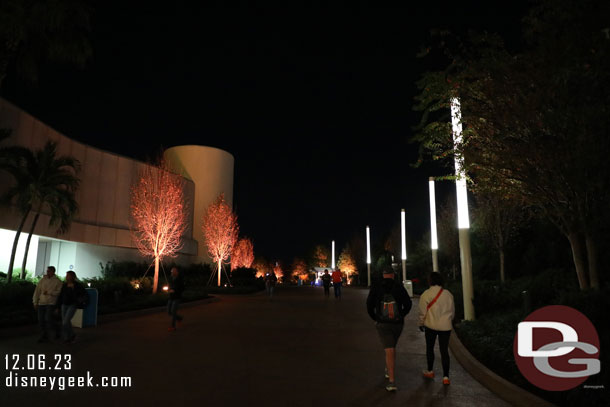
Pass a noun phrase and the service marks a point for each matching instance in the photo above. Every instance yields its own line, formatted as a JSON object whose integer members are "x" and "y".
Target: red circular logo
{"x": 556, "y": 348}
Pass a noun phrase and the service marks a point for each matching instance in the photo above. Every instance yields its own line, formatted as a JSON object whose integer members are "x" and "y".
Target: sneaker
{"x": 387, "y": 376}
{"x": 446, "y": 380}
{"x": 391, "y": 386}
{"x": 171, "y": 329}
{"x": 428, "y": 374}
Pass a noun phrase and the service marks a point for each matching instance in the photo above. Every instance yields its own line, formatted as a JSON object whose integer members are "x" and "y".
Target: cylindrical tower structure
{"x": 211, "y": 170}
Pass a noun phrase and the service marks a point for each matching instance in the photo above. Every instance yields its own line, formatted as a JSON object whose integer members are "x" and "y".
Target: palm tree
{"x": 44, "y": 183}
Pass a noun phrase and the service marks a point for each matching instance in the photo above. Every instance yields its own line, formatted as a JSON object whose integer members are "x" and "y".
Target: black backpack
{"x": 388, "y": 309}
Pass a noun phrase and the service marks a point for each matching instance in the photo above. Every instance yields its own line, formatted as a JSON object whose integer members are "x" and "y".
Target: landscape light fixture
{"x": 462, "y": 203}
{"x": 433, "y": 233}
{"x": 408, "y": 284}
{"x": 403, "y": 237}
{"x": 368, "y": 255}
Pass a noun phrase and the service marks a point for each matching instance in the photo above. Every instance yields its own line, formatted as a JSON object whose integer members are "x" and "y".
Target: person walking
{"x": 72, "y": 296}
{"x": 436, "y": 313}
{"x": 387, "y": 304}
{"x": 176, "y": 288}
{"x": 270, "y": 281}
{"x": 326, "y": 278}
{"x": 337, "y": 282}
{"x": 45, "y": 300}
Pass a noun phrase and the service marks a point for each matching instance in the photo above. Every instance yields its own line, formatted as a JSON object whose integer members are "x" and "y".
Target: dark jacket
{"x": 388, "y": 285}
{"x": 72, "y": 296}
{"x": 326, "y": 279}
{"x": 176, "y": 284}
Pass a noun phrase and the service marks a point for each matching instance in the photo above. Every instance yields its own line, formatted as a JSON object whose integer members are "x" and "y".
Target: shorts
{"x": 389, "y": 333}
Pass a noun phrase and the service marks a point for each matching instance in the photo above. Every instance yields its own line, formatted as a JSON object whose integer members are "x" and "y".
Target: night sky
{"x": 315, "y": 106}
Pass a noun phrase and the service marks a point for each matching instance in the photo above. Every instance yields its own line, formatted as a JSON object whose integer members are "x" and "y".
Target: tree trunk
{"x": 502, "y": 276}
{"x": 592, "y": 258}
{"x": 578, "y": 255}
{"x": 9, "y": 276}
{"x": 27, "y": 245}
{"x": 219, "y": 265}
{"x": 156, "y": 279}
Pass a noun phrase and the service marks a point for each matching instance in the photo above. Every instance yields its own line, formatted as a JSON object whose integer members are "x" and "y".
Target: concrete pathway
{"x": 300, "y": 349}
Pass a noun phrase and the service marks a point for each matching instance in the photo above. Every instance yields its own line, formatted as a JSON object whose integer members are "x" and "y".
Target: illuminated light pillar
{"x": 433, "y": 233}
{"x": 403, "y": 234}
{"x": 368, "y": 255}
{"x": 333, "y": 255}
{"x": 403, "y": 237}
{"x": 463, "y": 221}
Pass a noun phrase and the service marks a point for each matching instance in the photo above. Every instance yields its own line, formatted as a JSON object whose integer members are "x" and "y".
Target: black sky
{"x": 315, "y": 105}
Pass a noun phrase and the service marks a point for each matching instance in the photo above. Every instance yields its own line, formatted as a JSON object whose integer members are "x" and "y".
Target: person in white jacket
{"x": 45, "y": 302}
{"x": 436, "y": 312}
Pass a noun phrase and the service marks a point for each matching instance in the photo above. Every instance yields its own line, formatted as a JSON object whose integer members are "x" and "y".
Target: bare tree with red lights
{"x": 158, "y": 214}
{"x": 242, "y": 254}
{"x": 220, "y": 229}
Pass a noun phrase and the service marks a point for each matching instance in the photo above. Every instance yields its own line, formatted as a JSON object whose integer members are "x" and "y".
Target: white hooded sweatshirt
{"x": 441, "y": 313}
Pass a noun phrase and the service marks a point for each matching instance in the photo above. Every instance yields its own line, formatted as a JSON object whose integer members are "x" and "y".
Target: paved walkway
{"x": 300, "y": 349}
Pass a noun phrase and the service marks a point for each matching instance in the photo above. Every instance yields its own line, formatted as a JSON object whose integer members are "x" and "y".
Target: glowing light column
{"x": 433, "y": 233}
{"x": 462, "y": 204}
{"x": 403, "y": 235}
{"x": 368, "y": 255}
{"x": 333, "y": 255}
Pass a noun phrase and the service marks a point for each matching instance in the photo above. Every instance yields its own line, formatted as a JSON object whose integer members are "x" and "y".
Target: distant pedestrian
{"x": 72, "y": 296}
{"x": 270, "y": 281}
{"x": 45, "y": 303}
{"x": 387, "y": 304}
{"x": 436, "y": 312}
{"x": 337, "y": 282}
{"x": 176, "y": 288}
{"x": 326, "y": 279}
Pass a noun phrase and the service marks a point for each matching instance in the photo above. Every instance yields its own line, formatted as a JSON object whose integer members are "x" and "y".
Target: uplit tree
{"x": 262, "y": 266}
{"x": 346, "y": 262}
{"x": 158, "y": 214}
{"x": 299, "y": 269}
{"x": 319, "y": 257}
{"x": 278, "y": 270}
{"x": 242, "y": 254}
{"x": 220, "y": 230}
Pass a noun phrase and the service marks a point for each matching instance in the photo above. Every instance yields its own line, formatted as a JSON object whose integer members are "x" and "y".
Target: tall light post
{"x": 462, "y": 204}
{"x": 368, "y": 255}
{"x": 433, "y": 233}
{"x": 333, "y": 255}
{"x": 403, "y": 236}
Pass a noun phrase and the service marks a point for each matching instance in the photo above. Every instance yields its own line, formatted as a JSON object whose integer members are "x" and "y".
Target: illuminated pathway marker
{"x": 433, "y": 233}
{"x": 463, "y": 221}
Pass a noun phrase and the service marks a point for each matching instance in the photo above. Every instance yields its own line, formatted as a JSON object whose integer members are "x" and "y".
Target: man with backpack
{"x": 387, "y": 304}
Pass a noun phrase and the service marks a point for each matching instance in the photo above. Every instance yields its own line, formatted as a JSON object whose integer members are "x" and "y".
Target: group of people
{"x": 336, "y": 278}
{"x": 52, "y": 297}
{"x": 388, "y": 303}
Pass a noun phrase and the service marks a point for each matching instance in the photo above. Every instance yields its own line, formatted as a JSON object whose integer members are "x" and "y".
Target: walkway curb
{"x": 506, "y": 390}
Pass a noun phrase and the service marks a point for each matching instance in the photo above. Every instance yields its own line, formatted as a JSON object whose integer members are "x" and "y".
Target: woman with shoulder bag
{"x": 436, "y": 312}
{"x": 72, "y": 296}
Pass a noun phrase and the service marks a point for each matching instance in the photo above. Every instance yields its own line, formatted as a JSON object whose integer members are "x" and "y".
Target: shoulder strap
{"x": 431, "y": 303}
